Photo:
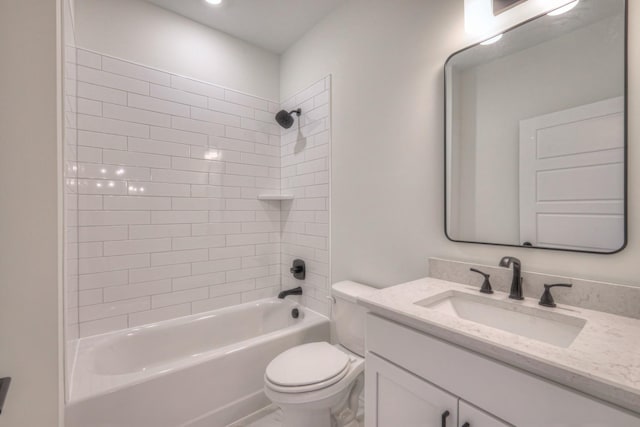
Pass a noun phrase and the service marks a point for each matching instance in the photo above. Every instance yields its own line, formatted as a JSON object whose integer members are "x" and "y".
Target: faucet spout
{"x": 294, "y": 291}
{"x": 516, "y": 282}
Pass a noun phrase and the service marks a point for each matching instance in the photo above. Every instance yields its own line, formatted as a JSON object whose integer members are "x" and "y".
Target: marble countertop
{"x": 602, "y": 361}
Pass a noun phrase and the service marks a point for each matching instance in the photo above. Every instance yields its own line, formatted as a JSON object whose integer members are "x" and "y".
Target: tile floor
{"x": 271, "y": 416}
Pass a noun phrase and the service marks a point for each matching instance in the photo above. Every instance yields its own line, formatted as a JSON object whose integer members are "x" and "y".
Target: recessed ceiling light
{"x": 491, "y": 40}
{"x": 214, "y": 2}
{"x": 564, "y": 9}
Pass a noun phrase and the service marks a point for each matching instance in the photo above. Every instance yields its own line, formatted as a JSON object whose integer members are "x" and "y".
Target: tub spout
{"x": 294, "y": 291}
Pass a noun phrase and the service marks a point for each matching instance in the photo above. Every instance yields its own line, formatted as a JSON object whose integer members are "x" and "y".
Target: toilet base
{"x": 339, "y": 410}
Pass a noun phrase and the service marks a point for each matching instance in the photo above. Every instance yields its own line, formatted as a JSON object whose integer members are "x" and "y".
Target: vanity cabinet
{"x": 403, "y": 399}
{"x": 412, "y": 378}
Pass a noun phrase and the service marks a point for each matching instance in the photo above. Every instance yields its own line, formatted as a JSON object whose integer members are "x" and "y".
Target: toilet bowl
{"x": 319, "y": 384}
{"x": 315, "y": 385}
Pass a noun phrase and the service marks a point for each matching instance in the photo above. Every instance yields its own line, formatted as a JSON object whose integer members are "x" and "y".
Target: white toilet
{"x": 319, "y": 384}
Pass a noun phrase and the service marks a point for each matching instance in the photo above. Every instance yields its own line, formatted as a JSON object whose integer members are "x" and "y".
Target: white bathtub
{"x": 196, "y": 371}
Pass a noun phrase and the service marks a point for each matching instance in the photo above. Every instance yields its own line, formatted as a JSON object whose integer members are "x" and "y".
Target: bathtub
{"x": 204, "y": 370}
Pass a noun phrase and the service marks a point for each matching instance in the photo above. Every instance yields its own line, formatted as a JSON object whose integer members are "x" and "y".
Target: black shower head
{"x": 285, "y": 119}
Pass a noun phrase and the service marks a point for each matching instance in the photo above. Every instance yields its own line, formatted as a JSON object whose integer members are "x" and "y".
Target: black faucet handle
{"x": 562, "y": 285}
{"x": 486, "y": 285}
{"x": 480, "y": 272}
{"x": 546, "y": 299}
{"x": 298, "y": 269}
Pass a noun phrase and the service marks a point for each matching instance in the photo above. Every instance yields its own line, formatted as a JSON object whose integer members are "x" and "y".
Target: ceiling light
{"x": 491, "y": 40}
{"x": 214, "y": 2}
{"x": 564, "y": 9}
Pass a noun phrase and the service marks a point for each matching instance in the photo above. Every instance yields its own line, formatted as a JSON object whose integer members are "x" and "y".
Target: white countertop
{"x": 603, "y": 360}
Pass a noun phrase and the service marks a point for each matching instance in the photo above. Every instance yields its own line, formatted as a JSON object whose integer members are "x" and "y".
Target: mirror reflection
{"x": 535, "y": 135}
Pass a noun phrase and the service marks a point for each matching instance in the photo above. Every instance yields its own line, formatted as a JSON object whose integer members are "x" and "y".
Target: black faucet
{"x": 486, "y": 285}
{"x": 516, "y": 283}
{"x": 547, "y": 299}
{"x": 294, "y": 291}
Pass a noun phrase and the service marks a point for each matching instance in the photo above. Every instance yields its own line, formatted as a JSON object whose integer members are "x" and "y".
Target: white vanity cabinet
{"x": 403, "y": 399}
{"x": 412, "y": 378}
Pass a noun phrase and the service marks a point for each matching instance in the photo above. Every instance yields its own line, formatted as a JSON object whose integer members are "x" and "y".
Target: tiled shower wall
{"x": 306, "y": 175}
{"x": 169, "y": 170}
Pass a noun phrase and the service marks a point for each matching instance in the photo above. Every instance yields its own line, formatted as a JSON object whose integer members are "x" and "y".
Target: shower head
{"x": 285, "y": 119}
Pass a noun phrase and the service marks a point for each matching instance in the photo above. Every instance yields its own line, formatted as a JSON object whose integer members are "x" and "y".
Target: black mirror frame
{"x": 626, "y": 144}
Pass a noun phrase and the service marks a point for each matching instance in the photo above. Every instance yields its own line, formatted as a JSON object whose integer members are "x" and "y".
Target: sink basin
{"x": 541, "y": 325}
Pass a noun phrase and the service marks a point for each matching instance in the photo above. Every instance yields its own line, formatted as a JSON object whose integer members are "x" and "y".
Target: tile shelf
{"x": 275, "y": 196}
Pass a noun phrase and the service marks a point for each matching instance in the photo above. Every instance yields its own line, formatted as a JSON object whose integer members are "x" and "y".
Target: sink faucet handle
{"x": 486, "y": 285}
{"x": 547, "y": 299}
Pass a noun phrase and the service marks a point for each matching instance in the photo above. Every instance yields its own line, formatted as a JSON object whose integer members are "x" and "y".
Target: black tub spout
{"x": 294, "y": 291}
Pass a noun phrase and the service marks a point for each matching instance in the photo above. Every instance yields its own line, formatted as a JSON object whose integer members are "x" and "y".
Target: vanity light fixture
{"x": 214, "y": 2}
{"x": 491, "y": 40}
{"x": 564, "y": 9}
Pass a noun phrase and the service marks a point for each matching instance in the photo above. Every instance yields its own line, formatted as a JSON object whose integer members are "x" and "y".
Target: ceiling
{"x": 271, "y": 24}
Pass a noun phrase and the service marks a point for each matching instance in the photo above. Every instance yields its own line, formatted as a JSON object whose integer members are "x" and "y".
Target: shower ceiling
{"x": 271, "y": 24}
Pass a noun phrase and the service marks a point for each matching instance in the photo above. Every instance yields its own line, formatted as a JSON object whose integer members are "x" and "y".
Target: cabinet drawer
{"x": 517, "y": 397}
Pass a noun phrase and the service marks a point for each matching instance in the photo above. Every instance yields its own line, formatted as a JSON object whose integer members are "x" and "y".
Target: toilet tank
{"x": 349, "y": 317}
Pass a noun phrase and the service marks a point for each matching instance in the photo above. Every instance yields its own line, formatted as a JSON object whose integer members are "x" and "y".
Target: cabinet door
{"x": 395, "y": 398}
{"x": 471, "y": 416}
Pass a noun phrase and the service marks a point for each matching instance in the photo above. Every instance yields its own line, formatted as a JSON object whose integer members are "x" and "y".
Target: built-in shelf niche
{"x": 275, "y": 196}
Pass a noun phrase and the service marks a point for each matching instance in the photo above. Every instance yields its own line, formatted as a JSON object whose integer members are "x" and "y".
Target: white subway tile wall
{"x": 306, "y": 155}
{"x": 168, "y": 174}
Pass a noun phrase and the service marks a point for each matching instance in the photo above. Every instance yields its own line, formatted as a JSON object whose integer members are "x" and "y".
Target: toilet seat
{"x": 306, "y": 368}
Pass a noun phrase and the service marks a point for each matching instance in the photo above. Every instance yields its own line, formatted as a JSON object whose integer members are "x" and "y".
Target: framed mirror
{"x": 535, "y": 141}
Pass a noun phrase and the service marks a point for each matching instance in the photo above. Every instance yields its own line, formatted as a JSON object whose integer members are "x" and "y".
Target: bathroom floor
{"x": 271, "y": 416}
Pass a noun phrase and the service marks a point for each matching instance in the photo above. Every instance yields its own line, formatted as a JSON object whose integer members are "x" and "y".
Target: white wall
{"x": 30, "y": 296}
{"x": 386, "y": 59}
{"x": 141, "y": 32}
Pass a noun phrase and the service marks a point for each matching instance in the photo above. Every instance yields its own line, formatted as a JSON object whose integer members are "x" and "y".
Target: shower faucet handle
{"x": 298, "y": 269}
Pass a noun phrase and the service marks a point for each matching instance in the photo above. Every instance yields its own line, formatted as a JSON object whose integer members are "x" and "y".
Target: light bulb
{"x": 214, "y": 2}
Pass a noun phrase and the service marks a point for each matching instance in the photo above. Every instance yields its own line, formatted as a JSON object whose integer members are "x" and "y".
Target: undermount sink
{"x": 541, "y": 325}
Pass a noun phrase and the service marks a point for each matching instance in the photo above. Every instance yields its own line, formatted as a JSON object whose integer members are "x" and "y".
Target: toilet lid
{"x": 307, "y": 364}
